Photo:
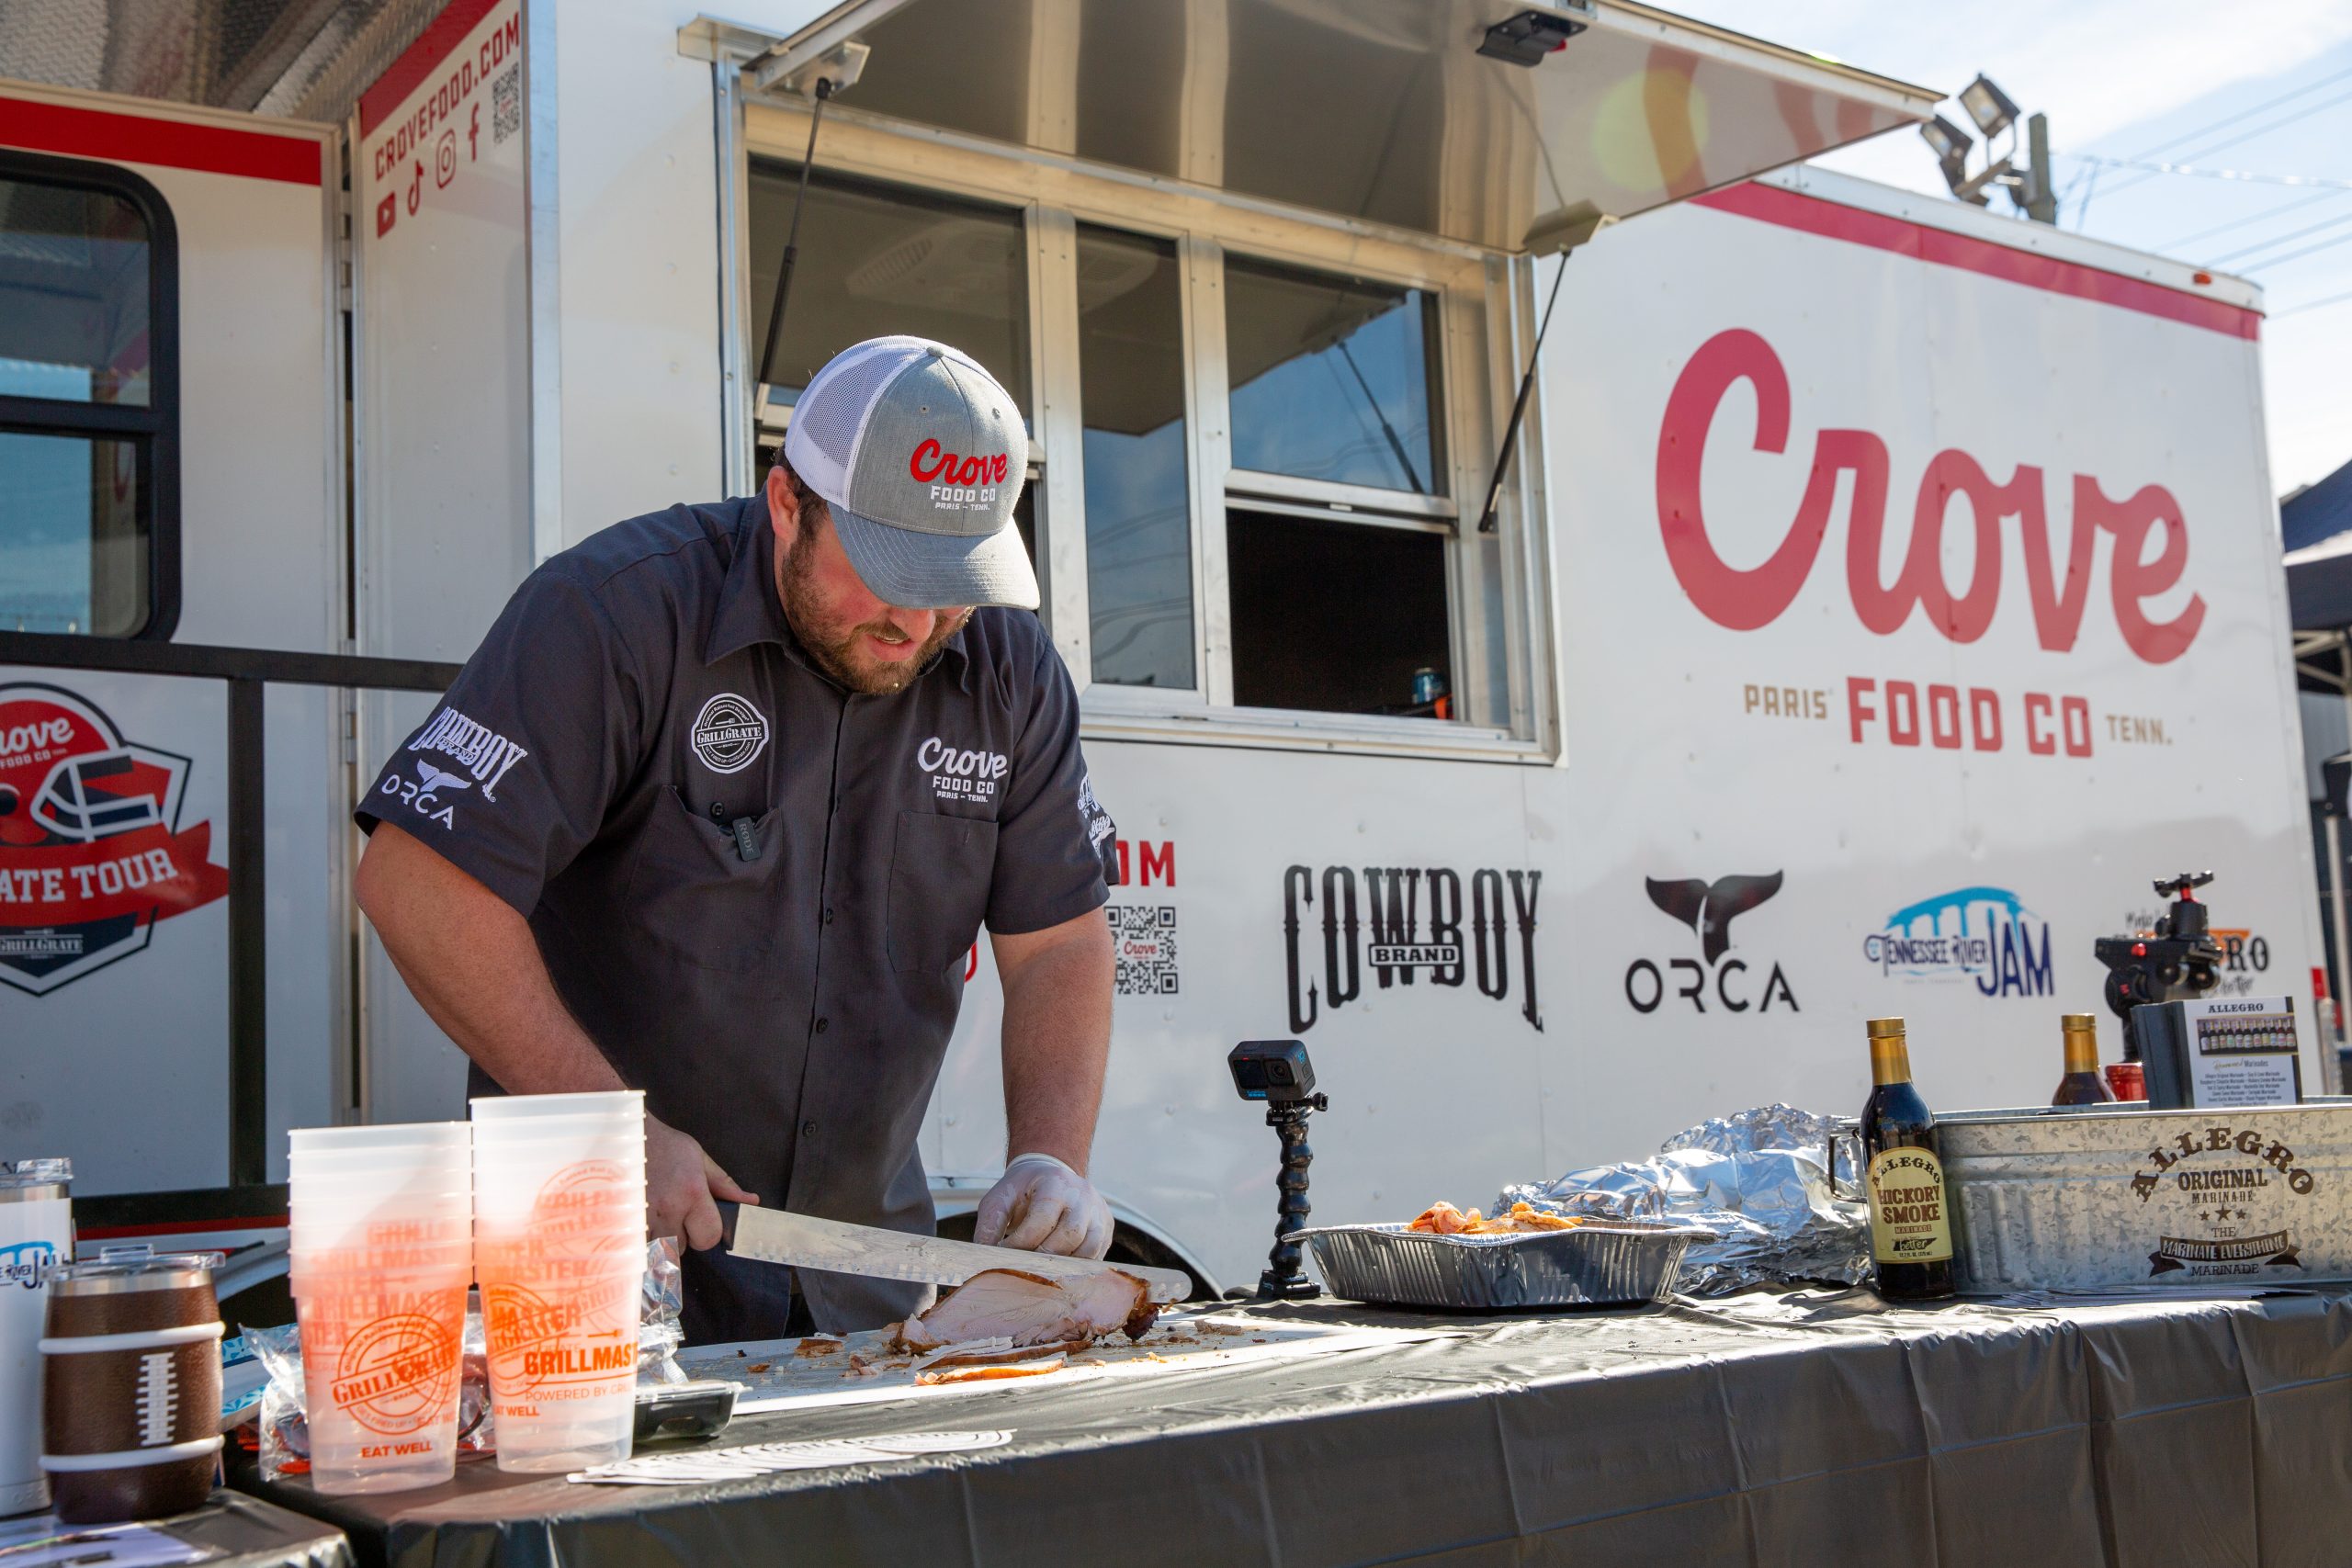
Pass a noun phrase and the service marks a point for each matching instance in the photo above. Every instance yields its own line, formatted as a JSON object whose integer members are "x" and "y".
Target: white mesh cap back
{"x": 831, "y": 413}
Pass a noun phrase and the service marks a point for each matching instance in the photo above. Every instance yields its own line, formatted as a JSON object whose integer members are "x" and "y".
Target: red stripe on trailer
{"x": 180, "y": 1228}
{"x": 77, "y": 132}
{"x": 1790, "y": 210}
{"x": 435, "y": 45}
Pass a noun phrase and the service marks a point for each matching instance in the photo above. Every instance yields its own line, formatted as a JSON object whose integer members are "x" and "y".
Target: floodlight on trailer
{"x": 1988, "y": 105}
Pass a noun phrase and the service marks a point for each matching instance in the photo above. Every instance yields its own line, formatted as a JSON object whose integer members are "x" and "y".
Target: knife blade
{"x": 804, "y": 1241}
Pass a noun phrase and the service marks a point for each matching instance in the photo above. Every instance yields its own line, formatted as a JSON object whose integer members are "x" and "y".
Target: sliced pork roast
{"x": 1030, "y": 1309}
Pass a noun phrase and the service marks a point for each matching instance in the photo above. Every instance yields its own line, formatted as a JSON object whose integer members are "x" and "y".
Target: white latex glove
{"x": 1042, "y": 1205}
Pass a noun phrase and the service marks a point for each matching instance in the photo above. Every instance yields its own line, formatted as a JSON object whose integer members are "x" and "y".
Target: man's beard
{"x": 829, "y": 644}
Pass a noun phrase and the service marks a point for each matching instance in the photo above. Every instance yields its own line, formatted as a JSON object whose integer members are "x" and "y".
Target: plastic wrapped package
{"x": 661, "y": 1330}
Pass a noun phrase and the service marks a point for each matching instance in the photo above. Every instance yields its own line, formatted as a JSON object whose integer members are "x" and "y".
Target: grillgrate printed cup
{"x": 380, "y": 1256}
{"x": 383, "y": 1355}
{"x": 559, "y": 1249}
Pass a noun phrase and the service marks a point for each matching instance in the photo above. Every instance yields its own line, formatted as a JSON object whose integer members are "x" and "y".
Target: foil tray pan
{"x": 1593, "y": 1265}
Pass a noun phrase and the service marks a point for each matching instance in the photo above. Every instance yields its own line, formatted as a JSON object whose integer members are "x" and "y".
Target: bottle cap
{"x": 2079, "y": 1022}
{"x": 1886, "y": 1029}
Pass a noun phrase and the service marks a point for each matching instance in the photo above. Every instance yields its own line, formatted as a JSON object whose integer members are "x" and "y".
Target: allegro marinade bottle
{"x": 1910, "y": 1220}
{"x": 2081, "y": 1085}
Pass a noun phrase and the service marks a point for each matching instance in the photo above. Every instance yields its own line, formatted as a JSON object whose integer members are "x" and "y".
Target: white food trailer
{"x": 1879, "y": 594}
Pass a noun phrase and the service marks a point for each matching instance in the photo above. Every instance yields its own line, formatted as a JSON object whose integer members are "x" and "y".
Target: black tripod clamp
{"x": 1284, "y": 1280}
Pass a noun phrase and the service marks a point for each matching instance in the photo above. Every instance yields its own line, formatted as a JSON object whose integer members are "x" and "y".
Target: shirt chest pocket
{"x": 939, "y": 870}
{"x": 695, "y": 894}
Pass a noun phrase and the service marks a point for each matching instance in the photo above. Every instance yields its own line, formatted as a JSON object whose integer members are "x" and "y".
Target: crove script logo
{"x": 934, "y": 465}
{"x": 1983, "y": 935}
{"x": 1708, "y": 910}
{"x": 91, "y": 855}
{"x": 1401, "y": 941}
{"x": 1745, "y": 600}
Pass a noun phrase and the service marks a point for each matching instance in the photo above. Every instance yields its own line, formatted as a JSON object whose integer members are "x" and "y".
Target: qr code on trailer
{"x": 1144, "y": 936}
{"x": 506, "y": 103}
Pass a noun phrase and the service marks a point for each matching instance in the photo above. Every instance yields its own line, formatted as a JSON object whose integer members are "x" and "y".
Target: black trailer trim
{"x": 154, "y": 429}
{"x": 130, "y": 1214}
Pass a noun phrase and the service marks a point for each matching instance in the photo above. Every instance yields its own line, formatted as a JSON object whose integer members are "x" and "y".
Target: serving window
{"x": 88, "y": 401}
{"x": 1252, "y": 439}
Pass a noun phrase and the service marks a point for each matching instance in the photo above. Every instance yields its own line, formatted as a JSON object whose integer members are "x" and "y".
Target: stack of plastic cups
{"x": 560, "y": 1246}
{"x": 381, "y": 1239}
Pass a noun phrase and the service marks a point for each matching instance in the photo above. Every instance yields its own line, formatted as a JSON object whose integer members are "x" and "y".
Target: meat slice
{"x": 990, "y": 1373}
{"x": 1029, "y": 1309}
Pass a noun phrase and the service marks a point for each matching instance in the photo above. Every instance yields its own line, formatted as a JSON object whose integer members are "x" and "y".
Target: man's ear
{"x": 783, "y": 508}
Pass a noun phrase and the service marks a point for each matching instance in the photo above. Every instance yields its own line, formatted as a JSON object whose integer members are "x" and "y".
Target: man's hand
{"x": 1042, "y": 1205}
{"x": 681, "y": 1182}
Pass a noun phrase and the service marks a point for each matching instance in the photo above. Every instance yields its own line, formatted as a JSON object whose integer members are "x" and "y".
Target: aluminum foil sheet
{"x": 1594, "y": 1265}
{"x": 1760, "y": 1180}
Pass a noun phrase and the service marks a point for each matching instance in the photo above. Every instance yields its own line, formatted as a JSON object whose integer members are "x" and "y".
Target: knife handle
{"x": 727, "y": 1208}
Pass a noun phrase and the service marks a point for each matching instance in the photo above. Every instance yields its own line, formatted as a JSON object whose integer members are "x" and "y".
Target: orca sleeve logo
{"x": 1708, "y": 908}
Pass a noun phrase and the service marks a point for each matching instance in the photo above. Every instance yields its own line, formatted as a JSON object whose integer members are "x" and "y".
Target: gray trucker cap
{"x": 920, "y": 456}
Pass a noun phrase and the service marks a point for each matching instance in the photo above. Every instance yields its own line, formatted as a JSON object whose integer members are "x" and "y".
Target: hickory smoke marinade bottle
{"x": 2082, "y": 1084}
{"x": 1910, "y": 1224}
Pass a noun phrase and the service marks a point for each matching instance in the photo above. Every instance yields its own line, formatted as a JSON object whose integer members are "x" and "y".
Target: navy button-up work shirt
{"x": 754, "y": 889}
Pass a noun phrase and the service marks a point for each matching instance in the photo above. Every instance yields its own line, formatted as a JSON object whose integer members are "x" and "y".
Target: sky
{"x": 2261, "y": 89}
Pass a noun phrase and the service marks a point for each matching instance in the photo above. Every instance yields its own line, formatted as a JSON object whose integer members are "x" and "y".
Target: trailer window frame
{"x": 154, "y": 429}
{"x": 1499, "y": 593}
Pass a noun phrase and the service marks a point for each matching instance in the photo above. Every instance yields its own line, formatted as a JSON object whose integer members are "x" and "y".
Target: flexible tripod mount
{"x": 1284, "y": 1280}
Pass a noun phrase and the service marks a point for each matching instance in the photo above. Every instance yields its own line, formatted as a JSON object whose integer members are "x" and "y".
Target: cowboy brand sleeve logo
{"x": 477, "y": 748}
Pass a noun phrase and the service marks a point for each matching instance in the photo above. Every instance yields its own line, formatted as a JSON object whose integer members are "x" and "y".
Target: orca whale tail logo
{"x": 1710, "y": 910}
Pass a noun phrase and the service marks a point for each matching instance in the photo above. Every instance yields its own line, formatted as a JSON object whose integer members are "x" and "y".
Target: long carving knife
{"x": 804, "y": 1241}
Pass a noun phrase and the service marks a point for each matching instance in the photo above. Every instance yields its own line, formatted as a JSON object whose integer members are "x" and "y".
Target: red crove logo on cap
{"x": 933, "y": 462}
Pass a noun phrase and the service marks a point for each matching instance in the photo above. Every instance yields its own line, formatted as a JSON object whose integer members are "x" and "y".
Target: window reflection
{"x": 1138, "y": 510}
{"x": 1331, "y": 377}
{"x": 877, "y": 261}
{"x": 73, "y": 542}
{"x": 74, "y": 294}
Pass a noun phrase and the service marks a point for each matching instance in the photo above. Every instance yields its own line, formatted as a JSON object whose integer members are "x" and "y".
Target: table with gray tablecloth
{"x": 1768, "y": 1428}
{"x": 239, "y": 1531}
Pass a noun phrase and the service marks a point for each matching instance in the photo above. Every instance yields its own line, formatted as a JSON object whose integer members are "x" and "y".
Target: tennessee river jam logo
{"x": 91, "y": 851}
{"x": 1985, "y": 935}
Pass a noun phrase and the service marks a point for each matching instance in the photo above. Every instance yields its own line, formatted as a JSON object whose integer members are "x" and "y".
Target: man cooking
{"x": 717, "y": 809}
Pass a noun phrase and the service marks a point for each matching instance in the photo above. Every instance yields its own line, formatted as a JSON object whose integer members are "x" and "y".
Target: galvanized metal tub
{"x": 1593, "y": 1265}
{"x": 2106, "y": 1197}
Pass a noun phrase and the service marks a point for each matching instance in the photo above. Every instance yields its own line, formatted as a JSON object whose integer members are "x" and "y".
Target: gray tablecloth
{"x": 1805, "y": 1427}
{"x": 250, "y": 1533}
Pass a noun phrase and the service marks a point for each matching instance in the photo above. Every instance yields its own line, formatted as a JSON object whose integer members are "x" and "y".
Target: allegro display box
{"x": 2109, "y": 1197}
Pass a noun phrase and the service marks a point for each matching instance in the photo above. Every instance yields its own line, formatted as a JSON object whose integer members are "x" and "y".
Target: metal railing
{"x": 248, "y": 672}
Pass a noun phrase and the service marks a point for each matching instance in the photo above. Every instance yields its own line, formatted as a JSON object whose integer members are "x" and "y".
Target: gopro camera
{"x": 1274, "y": 1070}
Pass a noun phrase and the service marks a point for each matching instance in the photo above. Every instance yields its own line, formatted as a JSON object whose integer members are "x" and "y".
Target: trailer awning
{"x": 1382, "y": 110}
